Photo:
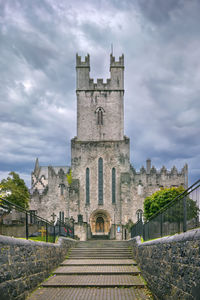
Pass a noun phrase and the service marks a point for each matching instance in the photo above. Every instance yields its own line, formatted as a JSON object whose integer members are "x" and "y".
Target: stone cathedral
{"x": 105, "y": 192}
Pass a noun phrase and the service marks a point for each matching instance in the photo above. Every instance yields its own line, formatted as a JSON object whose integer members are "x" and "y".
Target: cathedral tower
{"x": 100, "y": 106}
{"x": 100, "y": 152}
{"x": 106, "y": 192}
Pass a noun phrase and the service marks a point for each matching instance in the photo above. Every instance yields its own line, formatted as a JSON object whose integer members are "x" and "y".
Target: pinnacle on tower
{"x": 37, "y": 167}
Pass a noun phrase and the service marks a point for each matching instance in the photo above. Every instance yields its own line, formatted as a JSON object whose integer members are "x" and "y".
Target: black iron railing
{"x": 18, "y": 222}
{"x": 180, "y": 215}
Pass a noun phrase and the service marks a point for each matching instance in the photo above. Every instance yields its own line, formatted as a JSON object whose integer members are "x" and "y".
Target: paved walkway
{"x": 95, "y": 270}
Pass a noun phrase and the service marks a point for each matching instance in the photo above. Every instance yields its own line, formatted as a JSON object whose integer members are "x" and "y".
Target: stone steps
{"x": 97, "y": 262}
{"x": 95, "y": 281}
{"x": 89, "y": 294}
{"x": 100, "y": 256}
{"x": 95, "y": 271}
{"x": 98, "y": 270}
{"x": 103, "y": 253}
{"x": 102, "y": 244}
{"x": 122, "y": 249}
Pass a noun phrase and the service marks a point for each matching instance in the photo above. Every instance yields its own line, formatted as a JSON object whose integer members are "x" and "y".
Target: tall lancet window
{"x": 113, "y": 186}
{"x": 100, "y": 111}
{"x": 100, "y": 181}
{"x": 87, "y": 183}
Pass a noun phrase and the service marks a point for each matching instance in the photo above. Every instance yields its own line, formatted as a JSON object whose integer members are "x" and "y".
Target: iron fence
{"x": 18, "y": 222}
{"x": 180, "y": 215}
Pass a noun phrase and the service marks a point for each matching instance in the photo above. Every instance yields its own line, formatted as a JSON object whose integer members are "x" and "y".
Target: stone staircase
{"x": 95, "y": 270}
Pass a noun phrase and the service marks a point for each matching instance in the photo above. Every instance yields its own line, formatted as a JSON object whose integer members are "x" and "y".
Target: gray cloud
{"x": 159, "y": 11}
{"x": 38, "y": 43}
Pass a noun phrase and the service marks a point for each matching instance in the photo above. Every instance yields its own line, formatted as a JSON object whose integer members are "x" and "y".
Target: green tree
{"x": 161, "y": 198}
{"x": 14, "y": 190}
{"x": 69, "y": 177}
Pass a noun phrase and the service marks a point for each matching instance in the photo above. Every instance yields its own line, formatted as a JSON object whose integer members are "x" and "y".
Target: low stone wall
{"x": 170, "y": 265}
{"x": 24, "y": 264}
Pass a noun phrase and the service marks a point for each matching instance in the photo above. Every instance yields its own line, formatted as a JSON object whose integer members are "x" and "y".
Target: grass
{"x": 42, "y": 239}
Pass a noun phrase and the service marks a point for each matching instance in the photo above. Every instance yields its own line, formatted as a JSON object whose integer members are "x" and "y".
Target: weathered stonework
{"x": 170, "y": 265}
{"x": 24, "y": 264}
{"x": 100, "y": 136}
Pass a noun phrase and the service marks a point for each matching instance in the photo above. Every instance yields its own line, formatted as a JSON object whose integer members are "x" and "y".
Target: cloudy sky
{"x": 38, "y": 43}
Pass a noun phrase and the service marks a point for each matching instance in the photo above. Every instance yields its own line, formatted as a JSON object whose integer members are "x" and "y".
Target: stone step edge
{"x": 134, "y": 273}
{"x": 99, "y": 257}
{"x": 102, "y": 249}
{"x": 106, "y": 251}
{"x": 96, "y": 264}
{"x": 97, "y": 251}
{"x": 94, "y": 285}
{"x": 114, "y": 256}
{"x": 101, "y": 254}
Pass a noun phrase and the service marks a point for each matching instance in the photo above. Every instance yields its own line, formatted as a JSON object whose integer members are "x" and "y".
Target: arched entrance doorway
{"x": 100, "y": 222}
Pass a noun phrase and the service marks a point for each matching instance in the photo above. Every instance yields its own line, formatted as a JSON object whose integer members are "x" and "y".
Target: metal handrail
{"x": 158, "y": 216}
{"x": 185, "y": 193}
{"x": 24, "y": 210}
{"x": 27, "y": 212}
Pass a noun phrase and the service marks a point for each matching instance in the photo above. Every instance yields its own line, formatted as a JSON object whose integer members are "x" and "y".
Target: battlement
{"x": 115, "y": 82}
{"x": 152, "y": 170}
{"x": 173, "y": 177}
{"x": 82, "y": 64}
{"x": 116, "y": 64}
{"x": 100, "y": 84}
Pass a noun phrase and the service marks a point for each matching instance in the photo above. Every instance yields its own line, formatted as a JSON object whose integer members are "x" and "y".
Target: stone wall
{"x": 18, "y": 230}
{"x": 170, "y": 265}
{"x": 24, "y": 264}
{"x": 108, "y": 96}
{"x": 86, "y": 155}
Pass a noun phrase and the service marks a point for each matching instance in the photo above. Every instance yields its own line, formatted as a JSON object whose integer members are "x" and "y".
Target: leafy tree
{"x": 69, "y": 177}
{"x": 14, "y": 190}
{"x": 161, "y": 198}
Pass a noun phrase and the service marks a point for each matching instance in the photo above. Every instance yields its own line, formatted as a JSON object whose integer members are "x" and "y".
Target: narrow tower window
{"x": 99, "y": 112}
{"x": 87, "y": 186}
{"x": 100, "y": 181}
{"x": 113, "y": 185}
{"x": 139, "y": 214}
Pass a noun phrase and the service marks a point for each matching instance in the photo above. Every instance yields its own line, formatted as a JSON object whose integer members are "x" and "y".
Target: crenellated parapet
{"x": 85, "y": 83}
{"x": 82, "y": 64}
{"x": 150, "y": 176}
{"x": 116, "y": 64}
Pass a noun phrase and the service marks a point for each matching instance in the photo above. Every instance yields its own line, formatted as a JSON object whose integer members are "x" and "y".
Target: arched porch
{"x": 100, "y": 222}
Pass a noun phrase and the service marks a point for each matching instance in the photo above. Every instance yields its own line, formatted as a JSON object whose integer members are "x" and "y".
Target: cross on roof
{"x": 53, "y": 216}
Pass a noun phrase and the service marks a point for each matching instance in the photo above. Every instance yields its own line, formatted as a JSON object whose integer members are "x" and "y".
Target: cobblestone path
{"x": 95, "y": 270}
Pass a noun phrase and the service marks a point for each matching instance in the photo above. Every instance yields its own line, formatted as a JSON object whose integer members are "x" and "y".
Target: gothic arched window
{"x": 100, "y": 111}
{"x": 139, "y": 214}
{"x": 87, "y": 184}
{"x": 113, "y": 185}
{"x": 100, "y": 181}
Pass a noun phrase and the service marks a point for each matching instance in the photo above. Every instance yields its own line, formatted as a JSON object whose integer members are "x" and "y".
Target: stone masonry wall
{"x": 171, "y": 265}
{"x": 24, "y": 264}
{"x": 112, "y": 104}
{"x": 86, "y": 155}
{"x": 108, "y": 96}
